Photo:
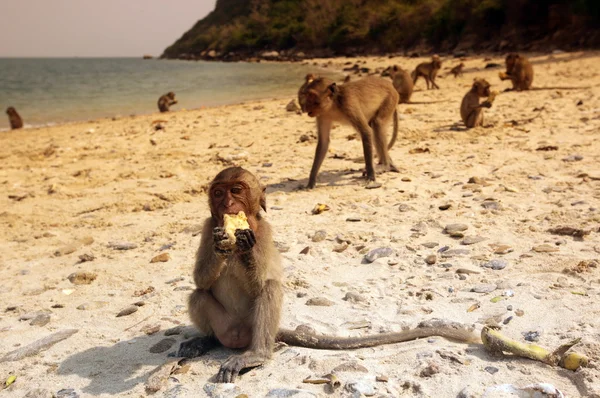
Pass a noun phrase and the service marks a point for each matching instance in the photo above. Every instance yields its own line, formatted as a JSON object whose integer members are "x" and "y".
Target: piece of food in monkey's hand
{"x": 502, "y": 75}
{"x": 231, "y": 223}
{"x": 492, "y": 96}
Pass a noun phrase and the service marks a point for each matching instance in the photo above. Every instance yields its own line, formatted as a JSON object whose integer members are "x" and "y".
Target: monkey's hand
{"x": 245, "y": 239}
{"x": 221, "y": 241}
{"x": 486, "y": 104}
{"x": 231, "y": 367}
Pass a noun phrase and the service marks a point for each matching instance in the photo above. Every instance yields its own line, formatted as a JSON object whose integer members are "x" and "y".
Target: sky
{"x": 95, "y": 28}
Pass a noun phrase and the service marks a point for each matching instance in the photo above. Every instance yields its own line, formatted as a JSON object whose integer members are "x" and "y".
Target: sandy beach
{"x": 106, "y": 197}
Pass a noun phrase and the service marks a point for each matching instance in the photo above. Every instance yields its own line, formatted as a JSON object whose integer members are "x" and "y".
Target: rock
{"x": 163, "y": 345}
{"x": 455, "y": 253}
{"x": 403, "y": 208}
{"x": 319, "y": 236}
{"x": 491, "y": 370}
{"x": 82, "y": 277}
{"x": 532, "y": 335}
{"x": 420, "y": 228}
{"x": 519, "y": 312}
{"x": 377, "y": 253}
{"x": 292, "y": 107}
{"x": 174, "y": 331}
{"x": 161, "y": 258}
{"x": 484, "y": 288}
{"x": 305, "y": 250}
{"x": 86, "y": 257}
{"x": 545, "y": 249}
{"x": 456, "y": 230}
{"x": 361, "y": 387}
{"x": 340, "y": 248}
{"x": 471, "y": 240}
{"x": 353, "y": 219}
{"x": 121, "y": 245}
{"x": 431, "y": 369}
{"x": 502, "y": 249}
{"x": 445, "y": 206}
{"x": 496, "y": 264}
{"x": 350, "y": 367}
{"x": 67, "y": 393}
{"x": 289, "y": 393}
{"x": 354, "y": 297}
{"x": 320, "y": 302}
{"x": 573, "y": 158}
{"x": 430, "y": 245}
{"x": 93, "y": 305}
{"x": 40, "y": 320}
{"x": 431, "y": 259}
{"x": 127, "y": 311}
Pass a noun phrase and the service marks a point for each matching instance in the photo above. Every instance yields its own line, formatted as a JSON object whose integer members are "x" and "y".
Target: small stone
{"x": 456, "y": 230}
{"x": 174, "y": 331}
{"x": 82, "y": 277}
{"x": 431, "y": 369}
{"x": 162, "y": 346}
{"x": 509, "y": 307}
{"x": 445, "y": 206}
{"x": 373, "y": 185}
{"x": 405, "y": 179}
{"x": 382, "y": 378}
{"x": 354, "y": 297}
{"x": 484, "y": 288}
{"x": 361, "y": 387}
{"x": 519, "y": 312}
{"x": 319, "y": 236}
{"x": 471, "y": 240}
{"x": 350, "y": 367}
{"x": 491, "y": 370}
{"x": 532, "y": 335}
{"x": 282, "y": 247}
{"x": 340, "y": 248}
{"x": 405, "y": 208}
{"x": 430, "y": 245}
{"x": 353, "y": 219}
{"x": 507, "y": 320}
{"x": 67, "y": 393}
{"x": 292, "y": 106}
{"x": 502, "y": 249}
{"x": 496, "y": 264}
{"x": 455, "y": 253}
{"x": 305, "y": 250}
{"x": 127, "y": 311}
{"x": 431, "y": 259}
{"x": 304, "y": 138}
{"x": 420, "y": 228}
{"x": 377, "y": 253}
{"x": 150, "y": 329}
{"x": 40, "y": 320}
{"x": 573, "y": 158}
{"x": 161, "y": 258}
{"x": 121, "y": 245}
{"x": 86, "y": 257}
{"x": 94, "y": 305}
{"x": 491, "y": 205}
{"x": 545, "y": 249}
{"x": 319, "y": 302}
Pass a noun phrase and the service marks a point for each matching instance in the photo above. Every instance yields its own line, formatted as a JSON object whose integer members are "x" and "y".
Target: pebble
{"x": 519, "y": 312}
{"x": 507, "y": 320}
{"x": 430, "y": 245}
{"x": 350, "y": 367}
{"x": 340, "y": 248}
{"x": 443, "y": 249}
{"x": 285, "y": 393}
{"x": 127, "y": 311}
{"x": 496, "y": 264}
{"x": 431, "y": 369}
{"x": 354, "y": 297}
{"x": 319, "y": 236}
{"x": 420, "y": 228}
{"x": 491, "y": 205}
{"x": 456, "y": 230}
{"x": 445, "y": 265}
{"x": 378, "y": 253}
{"x": 82, "y": 277}
{"x": 174, "y": 331}
{"x": 163, "y": 345}
{"x": 40, "y": 320}
{"x": 573, "y": 158}
{"x": 150, "y": 329}
{"x": 86, "y": 257}
{"x": 67, "y": 393}
{"x": 320, "y": 302}
{"x": 545, "y": 249}
{"x": 94, "y": 305}
{"x": 431, "y": 259}
{"x": 502, "y": 249}
{"x": 471, "y": 240}
{"x": 373, "y": 185}
{"x": 382, "y": 378}
{"x": 282, "y": 247}
{"x": 353, "y": 219}
{"x": 220, "y": 390}
{"x": 484, "y": 288}
{"x": 455, "y": 253}
{"x": 532, "y": 335}
{"x": 403, "y": 208}
{"x": 161, "y": 258}
{"x": 305, "y": 250}
{"x": 362, "y": 387}
{"x": 509, "y": 307}
{"x": 445, "y": 206}
{"x": 122, "y": 245}
{"x": 491, "y": 369}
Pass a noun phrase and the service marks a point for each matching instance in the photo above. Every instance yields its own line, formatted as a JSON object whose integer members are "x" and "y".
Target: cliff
{"x": 239, "y": 29}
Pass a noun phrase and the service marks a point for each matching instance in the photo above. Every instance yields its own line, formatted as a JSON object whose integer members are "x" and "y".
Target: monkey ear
{"x": 333, "y": 88}
{"x": 395, "y": 68}
{"x": 263, "y": 199}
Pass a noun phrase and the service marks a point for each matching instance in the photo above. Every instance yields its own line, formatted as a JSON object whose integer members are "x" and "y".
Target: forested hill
{"x": 241, "y": 29}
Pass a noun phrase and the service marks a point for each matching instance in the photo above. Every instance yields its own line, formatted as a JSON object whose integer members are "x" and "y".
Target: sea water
{"x": 46, "y": 91}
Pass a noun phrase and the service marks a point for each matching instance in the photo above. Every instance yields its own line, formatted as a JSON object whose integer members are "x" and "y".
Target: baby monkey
{"x": 14, "y": 119}
{"x": 471, "y": 111}
{"x": 165, "y": 101}
{"x": 457, "y": 70}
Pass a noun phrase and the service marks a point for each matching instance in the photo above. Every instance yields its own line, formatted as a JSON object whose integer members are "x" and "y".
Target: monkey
{"x": 13, "y": 117}
{"x": 471, "y": 111}
{"x": 238, "y": 297}
{"x": 402, "y": 82}
{"x": 165, "y": 101}
{"x": 428, "y": 70}
{"x": 457, "y": 70}
{"x": 367, "y": 105}
{"x": 519, "y": 71}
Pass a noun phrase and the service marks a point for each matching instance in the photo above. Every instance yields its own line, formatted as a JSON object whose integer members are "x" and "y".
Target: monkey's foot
{"x": 197, "y": 346}
{"x": 231, "y": 367}
{"x": 381, "y": 168}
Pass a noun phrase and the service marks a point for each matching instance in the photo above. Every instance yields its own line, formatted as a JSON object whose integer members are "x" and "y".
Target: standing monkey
{"x": 457, "y": 70}
{"x": 471, "y": 111}
{"x": 428, "y": 70}
{"x": 238, "y": 296}
{"x": 402, "y": 82}
{"x": 165, "y": 101}
{"x": 14, "y": 119}
{"x": 519, "y": 71}
{"x": 367, "y": 104}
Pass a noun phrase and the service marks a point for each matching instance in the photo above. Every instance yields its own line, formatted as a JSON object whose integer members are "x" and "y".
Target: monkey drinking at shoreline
{"x": 13, "y": 118}
{"x": 238, "y": 275}
{"x": 165, "y": 101}
{"x": 368, "y": 105}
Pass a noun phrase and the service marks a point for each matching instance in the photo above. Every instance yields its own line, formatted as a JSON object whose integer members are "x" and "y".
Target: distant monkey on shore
{"x": 239, "y": 287}
{"x": 368, "y": 105}
{"x": 14, "y": 119}
{"x": 519, "y": 71}
{"x": 402, "y": 82}
{"x": 471, "y": 111}
{"x": 457, "y": 70}
{"x": 428, "y": 70}
{"x": 165, "y": 101}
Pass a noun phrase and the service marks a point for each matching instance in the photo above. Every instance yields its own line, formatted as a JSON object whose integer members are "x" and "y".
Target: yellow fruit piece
{"x": 233, "y": 222}
{"x": 11, "y": 379}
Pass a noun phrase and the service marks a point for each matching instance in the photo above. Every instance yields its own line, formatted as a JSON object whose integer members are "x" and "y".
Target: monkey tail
{"x": 395, "y": 132}
{"x": 434, "y": 327}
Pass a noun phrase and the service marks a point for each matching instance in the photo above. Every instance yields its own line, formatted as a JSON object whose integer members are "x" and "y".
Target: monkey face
{"x": 511, "y": 59}
{"x": 233, "y": 190}
{"x": 309, "y": 78}
{"x": 229, "y": 198}
{"x": 314, "y": 103}
{"x": 10, "y": 110}
{"x": 481, "y": 87}
{"x": 171, "y": 95}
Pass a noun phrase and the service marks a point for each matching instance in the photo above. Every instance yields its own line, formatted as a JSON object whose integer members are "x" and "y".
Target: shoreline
{"x": 71, "y": 194}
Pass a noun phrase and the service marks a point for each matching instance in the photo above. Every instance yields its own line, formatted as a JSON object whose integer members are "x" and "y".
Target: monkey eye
{"x": 218, "y": 193}
{"x": 236, "y": 189}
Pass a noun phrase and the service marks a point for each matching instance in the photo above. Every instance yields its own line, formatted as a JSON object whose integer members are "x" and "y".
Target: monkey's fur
{"x": 238, "y": 296}
{"x": 428, "y": 70}
{"x": 14, "y": 119}
{"x": 471, "y": 111}
{"x": 402, "y": 82}
{"x": 457, "y": 70}
{"x": 165, "y": 101}
{"x": 368, "y": 105}
{"x": 519, "y": 71}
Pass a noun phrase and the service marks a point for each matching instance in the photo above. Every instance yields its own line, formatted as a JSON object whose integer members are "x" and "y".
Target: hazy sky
{"x": 95, "y": 28}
